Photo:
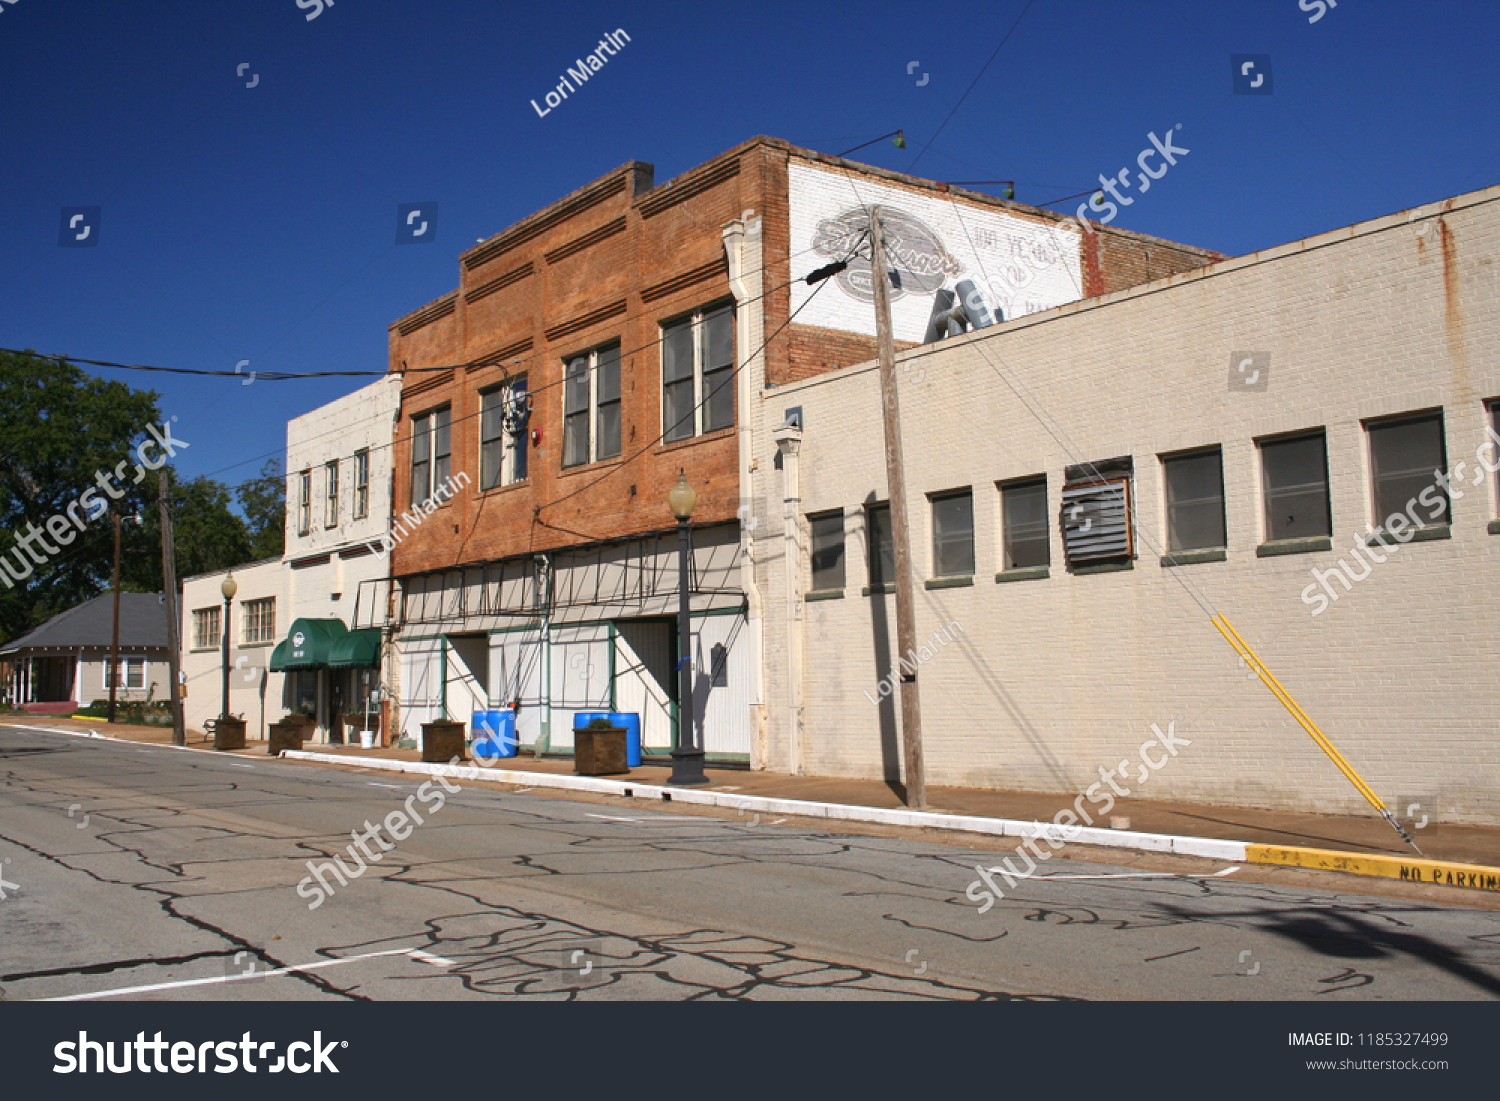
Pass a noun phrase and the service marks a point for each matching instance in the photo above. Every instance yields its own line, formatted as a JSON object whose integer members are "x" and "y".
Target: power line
{"x": 976, "y": 80}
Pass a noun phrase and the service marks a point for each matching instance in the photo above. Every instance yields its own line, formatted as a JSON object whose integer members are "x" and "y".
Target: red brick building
{"x": 626, "y": 332}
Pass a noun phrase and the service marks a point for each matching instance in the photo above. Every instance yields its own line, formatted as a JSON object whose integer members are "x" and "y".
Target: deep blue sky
{"x": 259, "y": 223}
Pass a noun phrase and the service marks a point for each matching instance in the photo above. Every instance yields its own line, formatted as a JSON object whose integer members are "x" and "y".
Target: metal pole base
{"x": 687, "y": 768}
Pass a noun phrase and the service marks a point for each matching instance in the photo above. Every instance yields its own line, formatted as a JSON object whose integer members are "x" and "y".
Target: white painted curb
{"x": 1210, "y": 848}
{"x": 118, "y": 741}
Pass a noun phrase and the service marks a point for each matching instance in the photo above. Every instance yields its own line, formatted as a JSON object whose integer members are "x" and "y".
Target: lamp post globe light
{"x": 228, "y": 588}
{"x": 687, "y": 755}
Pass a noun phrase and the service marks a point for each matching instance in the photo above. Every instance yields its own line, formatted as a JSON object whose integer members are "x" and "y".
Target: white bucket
{"x": 367, "y": 739}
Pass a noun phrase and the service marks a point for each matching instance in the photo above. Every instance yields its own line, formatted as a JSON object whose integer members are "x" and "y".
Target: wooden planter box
{"x": 229, "y": 733}
{"x": 599, "y": 751}
{"x": 442, "y": 741}
{"x": 284, "y": 735}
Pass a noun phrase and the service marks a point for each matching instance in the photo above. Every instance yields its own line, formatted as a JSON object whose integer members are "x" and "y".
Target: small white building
{"x": 295, "y": 646}
{"x": 338, "y": 508}
{"x": 65, "y": 663}
{"x": 256, "y": 615}
{"x": 1088, "y": 485}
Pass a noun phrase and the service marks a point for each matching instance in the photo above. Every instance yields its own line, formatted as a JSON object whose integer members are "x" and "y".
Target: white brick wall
{"x": 361, "y": 420}
{"x": 1054, "y": 678}
{"x": 253, "y": 692}
{"x": 1006, "y": 256}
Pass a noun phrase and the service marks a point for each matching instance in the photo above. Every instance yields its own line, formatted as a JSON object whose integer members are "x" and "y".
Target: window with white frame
{"x": 697, "y": 374}
{"x": 505, "y": 412}
{"x": 430, "y": 452}
{"x": 205, "y": 628}
{"x": 361, "y": 484}
{"x": 591, "y": 407}
{"x": 132, "y": 673}
{"x": 259, "y": 620}
{"x": 331, "y": 496}
{"x": 304, "y": 502}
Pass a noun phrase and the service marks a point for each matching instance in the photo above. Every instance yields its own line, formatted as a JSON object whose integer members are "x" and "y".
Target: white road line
{"x": 373, "y": 784}
{"x": 613, "y": 818}
{"x": 428, "y": 957}
{"x": 415, "y": 953}
{"x": 236, "y": 764}
{"x": 1137, "y": 875}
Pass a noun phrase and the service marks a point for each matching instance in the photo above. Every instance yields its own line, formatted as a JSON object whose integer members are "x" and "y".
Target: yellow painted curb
{"x": 1440, "y": 873}
{"x": 86, "y": 719}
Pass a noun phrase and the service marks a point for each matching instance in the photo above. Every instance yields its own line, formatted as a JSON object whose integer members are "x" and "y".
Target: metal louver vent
{"x": 1096, "y": 522}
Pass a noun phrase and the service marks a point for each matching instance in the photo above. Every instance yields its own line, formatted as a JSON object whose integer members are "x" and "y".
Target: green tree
{"x": 73, "y": 448}
{"x": 63, "y": 432}
{"x": 208, "y": 536}
{"x": 263, "y": 500}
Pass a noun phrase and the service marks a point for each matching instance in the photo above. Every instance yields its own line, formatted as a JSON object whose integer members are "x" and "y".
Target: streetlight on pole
{"x": 687, "y": 755}
{"x": 228, "y": 588}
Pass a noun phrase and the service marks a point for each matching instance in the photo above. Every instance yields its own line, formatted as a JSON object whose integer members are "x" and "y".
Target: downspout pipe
{"x": 743, "y": 249}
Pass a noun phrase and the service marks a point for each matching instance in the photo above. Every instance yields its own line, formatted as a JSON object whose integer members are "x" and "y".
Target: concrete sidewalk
{"x": 1345, "y": 834}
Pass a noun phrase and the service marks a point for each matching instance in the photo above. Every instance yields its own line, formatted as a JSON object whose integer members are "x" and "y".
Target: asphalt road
{"x": 152, "y": 873}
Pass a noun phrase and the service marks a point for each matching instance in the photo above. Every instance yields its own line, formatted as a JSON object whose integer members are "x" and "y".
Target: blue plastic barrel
{"x": 627, "y": 720}
{"x": 494, "y": 734}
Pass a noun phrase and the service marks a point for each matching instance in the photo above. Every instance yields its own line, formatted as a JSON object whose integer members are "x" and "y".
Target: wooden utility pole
{"x": 169, "y": 594}
{"x": 906, "y": 624}
{"x": 114, "y": 632}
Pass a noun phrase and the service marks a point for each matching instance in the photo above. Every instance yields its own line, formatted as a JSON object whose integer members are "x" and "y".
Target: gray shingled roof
{"x": 143, "y": 622}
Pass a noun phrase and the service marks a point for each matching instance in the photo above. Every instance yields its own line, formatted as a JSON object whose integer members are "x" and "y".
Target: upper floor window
{"x": 591, "y": 407}
{"x": 1195, "y": 500}
{"x": 504, "y": 413}
{"x": 259, "y": 620}
{"x": 1294, "y": 479}
{"x": 1406, "y": 456}
{"x": 205, "y": 628}
{"x": 1492, "y": 447}
{"x": 304, "y": 502}
{"x": 430, "y": 452}
{"x": 880, "y": 544}
{"x": 827, "y": 530}
{"x": 953, "y": 534}
{"x": 331, "y": 498}
{"x": 361, "y": 484}
{"x": 1023, "y": 524}
{"x": 697, "y": 374}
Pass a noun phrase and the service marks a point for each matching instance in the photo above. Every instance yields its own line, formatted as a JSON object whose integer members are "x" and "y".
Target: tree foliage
{"x": 64, "y": 436}
{"x": 263, "y": 500}
{"x": 60, "y": 429}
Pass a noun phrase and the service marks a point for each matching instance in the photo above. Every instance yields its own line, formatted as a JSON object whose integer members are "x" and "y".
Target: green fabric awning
{"x": 357, "y": 649}
{"x": 307, "y": 645}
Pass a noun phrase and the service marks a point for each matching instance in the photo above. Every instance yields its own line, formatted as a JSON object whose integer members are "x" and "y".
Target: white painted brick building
{"x": 338, "y": 508}
{"x": 1057, "y": 672}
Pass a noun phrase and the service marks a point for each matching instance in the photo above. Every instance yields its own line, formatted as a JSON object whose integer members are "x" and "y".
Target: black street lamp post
{"x": 687, "y": 755}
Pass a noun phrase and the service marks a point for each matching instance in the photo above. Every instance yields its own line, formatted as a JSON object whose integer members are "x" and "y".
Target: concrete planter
{"x": 284, "y": 735}
{"x": 599, "y": 751}
{"x": 229, "y": 733}
{"x": 442, "y": 741}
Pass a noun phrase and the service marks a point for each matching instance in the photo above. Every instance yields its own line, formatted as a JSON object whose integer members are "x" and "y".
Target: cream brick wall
{"x": 1052, "y": 679}
{"x": 361, "y": 420}
{"x": 253, "y": 692}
